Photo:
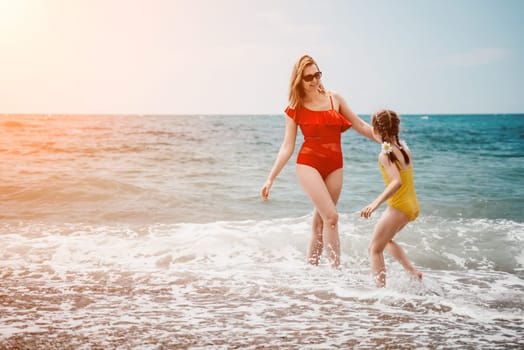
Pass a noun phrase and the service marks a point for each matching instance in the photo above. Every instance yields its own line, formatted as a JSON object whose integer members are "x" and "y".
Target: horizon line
{"x": 236, "y": 114}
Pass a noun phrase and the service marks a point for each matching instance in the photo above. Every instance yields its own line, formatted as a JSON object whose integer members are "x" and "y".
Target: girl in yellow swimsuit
{"x": 396, "y": 165}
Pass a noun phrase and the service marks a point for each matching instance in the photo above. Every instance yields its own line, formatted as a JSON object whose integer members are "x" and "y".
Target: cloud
{"x": 474, "y": 58}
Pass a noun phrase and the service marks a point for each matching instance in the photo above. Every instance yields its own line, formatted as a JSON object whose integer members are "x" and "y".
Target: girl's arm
{"x": 359, "y": 125}
{"x": 396, "y": 181}
{"x": 286, "y": 151}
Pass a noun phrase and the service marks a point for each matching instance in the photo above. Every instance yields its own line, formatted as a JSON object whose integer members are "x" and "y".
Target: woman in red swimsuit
{"x": 322, "y": 117}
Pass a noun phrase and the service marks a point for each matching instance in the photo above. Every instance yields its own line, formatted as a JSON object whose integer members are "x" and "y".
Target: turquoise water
{"x": 148, "y": 231}
{"x": 468, "y": 166}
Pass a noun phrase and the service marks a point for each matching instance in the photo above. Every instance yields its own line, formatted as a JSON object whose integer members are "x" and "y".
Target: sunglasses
{"x": 310, "y": 77}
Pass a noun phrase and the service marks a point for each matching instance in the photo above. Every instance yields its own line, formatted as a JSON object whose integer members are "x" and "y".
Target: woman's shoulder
{"x": 334, "y": 94}
{"x": 291, "y": 112}
{"x": 337, "y": 98}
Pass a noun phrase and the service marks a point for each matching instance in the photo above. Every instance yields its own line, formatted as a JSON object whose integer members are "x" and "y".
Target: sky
{"x": 236, "y": 56}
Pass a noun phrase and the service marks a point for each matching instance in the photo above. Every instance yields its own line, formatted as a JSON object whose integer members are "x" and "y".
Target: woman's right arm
{"x": 359, "y": 124}
{"x": 286, "y": 151}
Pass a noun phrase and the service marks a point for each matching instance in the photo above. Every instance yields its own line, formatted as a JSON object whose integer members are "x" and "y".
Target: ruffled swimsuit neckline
{"x": 325, "y": 117}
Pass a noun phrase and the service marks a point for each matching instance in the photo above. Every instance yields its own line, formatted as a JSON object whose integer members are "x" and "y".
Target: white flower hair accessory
{"x": 386, "y": 147}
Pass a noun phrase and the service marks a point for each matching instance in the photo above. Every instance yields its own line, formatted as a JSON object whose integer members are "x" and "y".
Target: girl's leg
{"x": 324, "y": 196}
{"x": 398, "y": 253}
{"x": 388, "y": 225}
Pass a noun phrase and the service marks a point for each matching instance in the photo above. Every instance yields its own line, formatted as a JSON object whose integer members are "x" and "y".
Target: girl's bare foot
{"x": 416, "y": 274}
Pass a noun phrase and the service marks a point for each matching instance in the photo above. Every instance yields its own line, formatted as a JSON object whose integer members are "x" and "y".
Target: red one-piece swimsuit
{"x": 321, "y": 148}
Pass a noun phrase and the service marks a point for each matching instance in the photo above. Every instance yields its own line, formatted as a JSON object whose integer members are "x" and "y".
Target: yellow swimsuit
{"x": 405, "y": 199}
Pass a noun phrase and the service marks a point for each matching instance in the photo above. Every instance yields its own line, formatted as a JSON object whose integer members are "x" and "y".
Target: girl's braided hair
{"x": 387, "y": 123}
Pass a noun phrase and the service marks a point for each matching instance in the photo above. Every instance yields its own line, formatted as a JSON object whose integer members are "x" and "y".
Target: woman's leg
{"x": 315, "y": 244}
{"x": 324, "y": 196}
{"x": 388, "y": 225}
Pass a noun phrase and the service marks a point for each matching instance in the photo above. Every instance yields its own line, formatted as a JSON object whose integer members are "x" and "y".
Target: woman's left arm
{"x": 359, "y": 125}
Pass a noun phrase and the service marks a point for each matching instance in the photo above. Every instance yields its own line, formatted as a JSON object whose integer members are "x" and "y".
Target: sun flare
{"x": 11, "y": 12}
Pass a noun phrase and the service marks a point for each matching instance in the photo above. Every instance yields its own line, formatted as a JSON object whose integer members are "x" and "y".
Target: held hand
{"x": 264, "y": 192}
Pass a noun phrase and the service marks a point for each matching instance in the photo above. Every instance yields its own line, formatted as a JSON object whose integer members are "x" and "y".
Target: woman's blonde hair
{"x": 296, "y": 90}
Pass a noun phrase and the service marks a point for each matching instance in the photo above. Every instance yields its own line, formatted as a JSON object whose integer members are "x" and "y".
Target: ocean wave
{"x": 11, "y": 124}
{"x": 63, "y": 190}
{"x": 223, "y": 281}
{"x": 432, "y": 242}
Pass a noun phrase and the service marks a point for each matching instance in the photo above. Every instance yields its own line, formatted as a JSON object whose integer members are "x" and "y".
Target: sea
{"x": 148, "y": 232}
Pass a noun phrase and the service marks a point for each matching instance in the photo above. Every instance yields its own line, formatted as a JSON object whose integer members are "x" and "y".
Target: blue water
{"x": 149, "y": 232}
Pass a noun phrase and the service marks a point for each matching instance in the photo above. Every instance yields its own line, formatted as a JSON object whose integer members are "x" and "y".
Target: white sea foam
{"x": 231, "y": 283}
